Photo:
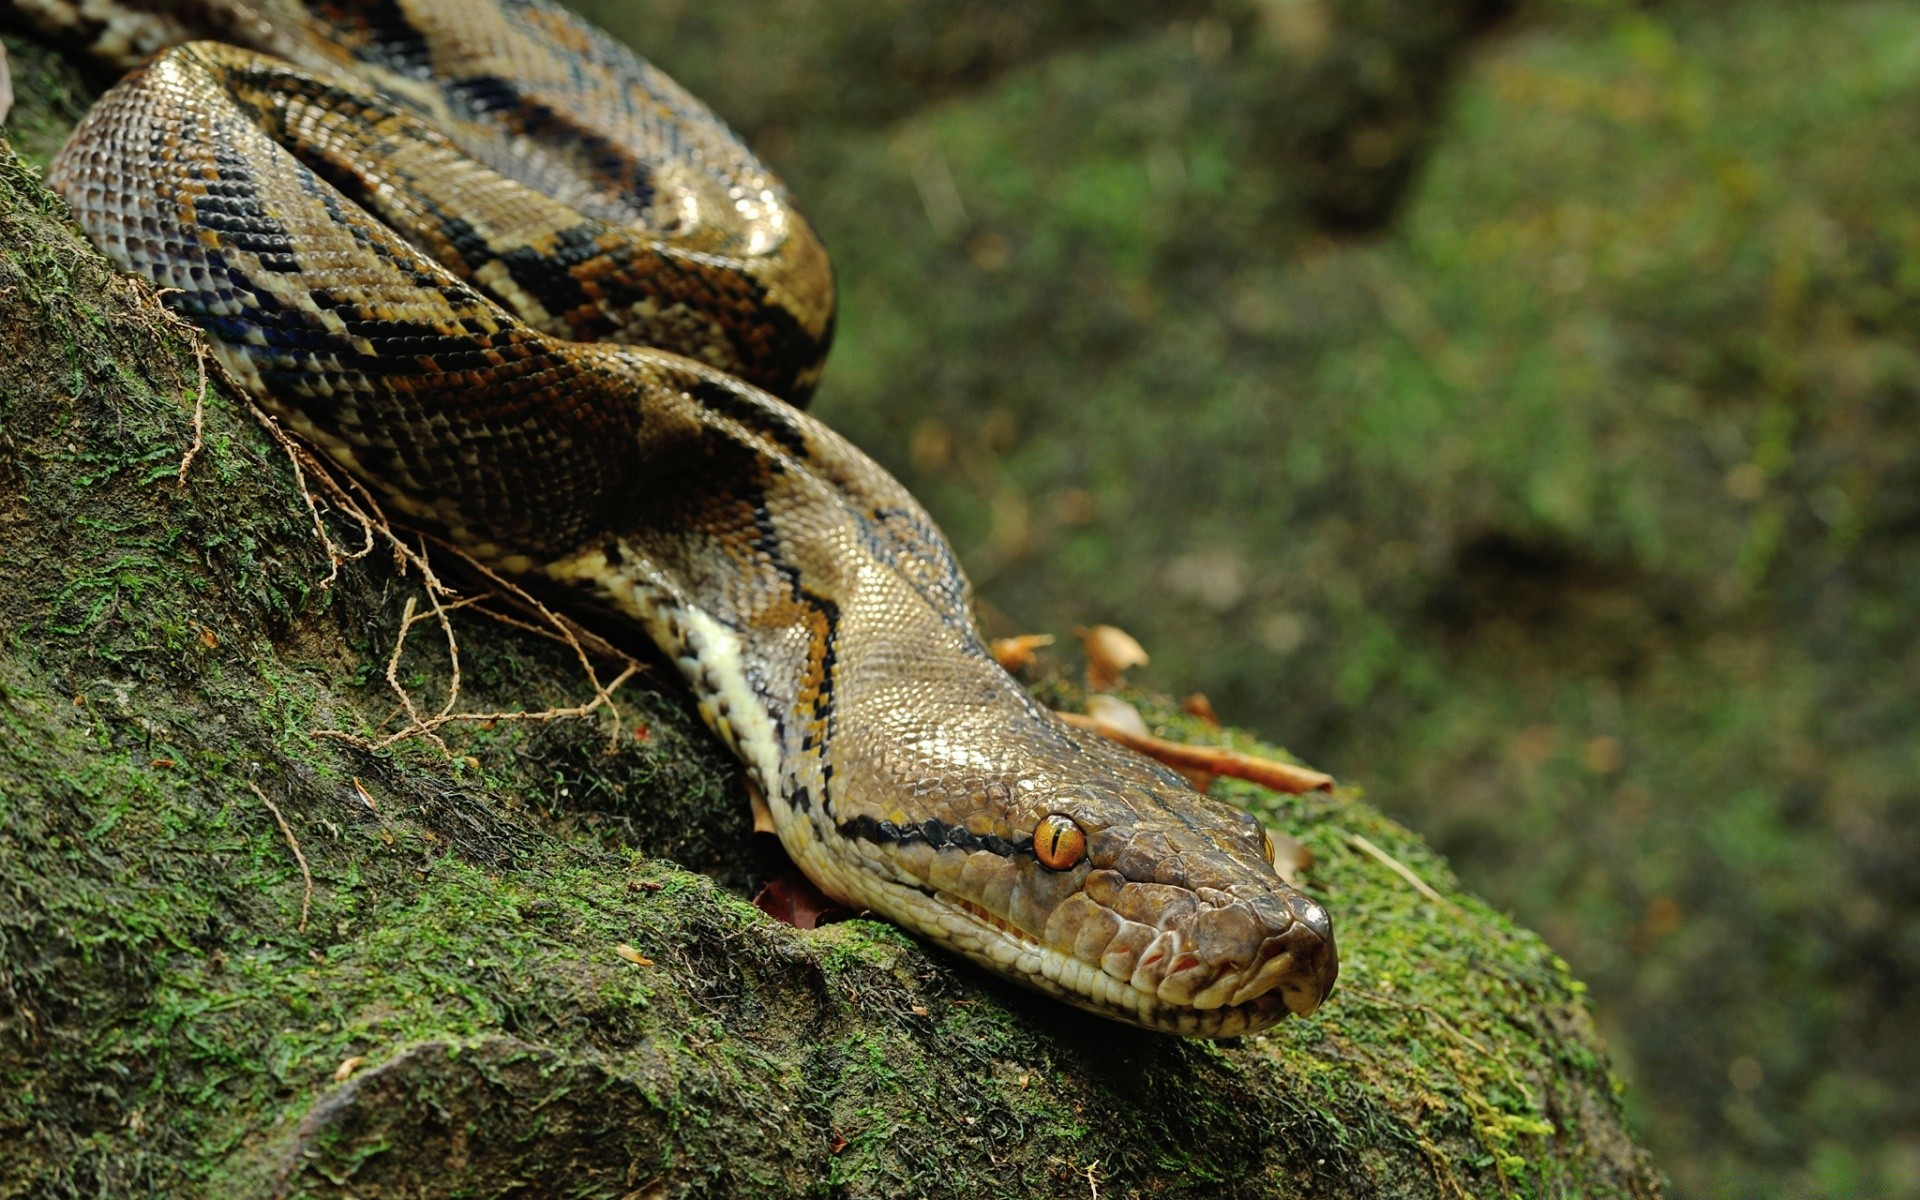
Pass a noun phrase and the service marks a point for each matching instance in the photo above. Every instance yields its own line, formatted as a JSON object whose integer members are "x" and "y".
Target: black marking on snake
{"x": 402, "y": 347}
{"x": 230, "y": 206}
{"x": 784, "y": 343}
{"x": 937, "y": 834}
{"x": 763, "y": 418}
{"x": 829, "y": 659}
{"x": 897, "y": 536}
{"x": 499, "y": 100}
{"x": 469, "y": 243}
{"x": 392, "y": 40}
{"x": 392, "y": 250}
{"x": 815, "y": 711}
{"x": 548, "y": 275}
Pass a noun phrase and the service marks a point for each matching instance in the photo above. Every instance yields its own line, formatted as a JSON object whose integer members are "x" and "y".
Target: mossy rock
{"x": 526, "y": 966}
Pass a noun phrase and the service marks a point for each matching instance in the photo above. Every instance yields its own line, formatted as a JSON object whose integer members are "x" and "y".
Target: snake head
{"x": 1105, "y": 880}
{"x": 1190, "y": 914}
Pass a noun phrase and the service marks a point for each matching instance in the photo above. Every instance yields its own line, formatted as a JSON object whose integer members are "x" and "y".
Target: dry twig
{"x": 1214, "y": 760}
{"x": 293, "y": 843}
{"x": 1396, "y": 866}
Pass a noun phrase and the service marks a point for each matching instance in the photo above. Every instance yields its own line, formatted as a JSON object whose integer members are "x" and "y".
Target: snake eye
{"x": 1059, "y": 843}
{"x": 1266, "y": 847}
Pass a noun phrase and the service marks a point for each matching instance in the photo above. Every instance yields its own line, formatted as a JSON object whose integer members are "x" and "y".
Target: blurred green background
{"x": 1514, "y": 408}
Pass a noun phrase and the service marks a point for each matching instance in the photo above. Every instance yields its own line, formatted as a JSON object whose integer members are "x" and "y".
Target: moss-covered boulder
{"x": 239, "y": 957}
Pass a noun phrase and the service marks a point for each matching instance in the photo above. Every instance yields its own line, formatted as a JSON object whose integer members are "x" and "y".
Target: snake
{"x": 543, "y": 302}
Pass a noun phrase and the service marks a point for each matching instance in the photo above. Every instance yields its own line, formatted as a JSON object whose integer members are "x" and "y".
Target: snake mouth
{"x": 1168, "y": 988}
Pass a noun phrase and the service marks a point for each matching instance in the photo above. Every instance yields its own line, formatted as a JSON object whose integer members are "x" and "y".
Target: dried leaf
{"x": 1018, "y": 653}
{"x": 1111, "y": 652}
{"x": 633, "y": 956}
{"x": 1199, "y": 706}
{"x": 792, "y": 898}
{"x": 1290, "y": 856}
{"x": 1219, "y": 760}
{"x": 1114, "y": 713}
{"x": 347, "y": 1067}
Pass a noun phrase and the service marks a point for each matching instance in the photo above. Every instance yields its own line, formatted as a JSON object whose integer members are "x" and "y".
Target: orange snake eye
{"x": 1266, "y": 847}
{"x": 1059, "y": 843}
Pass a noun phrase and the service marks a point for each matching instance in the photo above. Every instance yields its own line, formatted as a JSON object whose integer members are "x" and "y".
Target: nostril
{"x": 1314, "y": 917}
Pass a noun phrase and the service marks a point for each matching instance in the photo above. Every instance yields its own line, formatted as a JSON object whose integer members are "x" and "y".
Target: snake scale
{"x": 542, "y": 301}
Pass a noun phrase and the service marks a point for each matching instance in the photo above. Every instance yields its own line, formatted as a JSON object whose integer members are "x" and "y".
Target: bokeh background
{"x": 1512, "y": 407}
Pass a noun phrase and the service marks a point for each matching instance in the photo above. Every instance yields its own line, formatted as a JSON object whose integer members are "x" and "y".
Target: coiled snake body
{"x": 542, "y": 301}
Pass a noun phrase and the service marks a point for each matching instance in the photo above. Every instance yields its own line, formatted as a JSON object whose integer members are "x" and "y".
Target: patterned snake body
{"x": 541, "y": 300}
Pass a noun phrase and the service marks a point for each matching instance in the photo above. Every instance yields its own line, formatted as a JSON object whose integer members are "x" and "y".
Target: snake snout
{"x": 1283, "y": 942}
{"x": 1313, "y": 963}
{"x": 1207, "y": 949}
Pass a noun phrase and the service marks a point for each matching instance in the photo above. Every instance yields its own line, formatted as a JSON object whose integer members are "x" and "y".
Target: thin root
{"x": 293, "y": 843}
{"x": 360, "y": 507}
{"x": 199, "y": 412}
{"x": 1396, "y": 866}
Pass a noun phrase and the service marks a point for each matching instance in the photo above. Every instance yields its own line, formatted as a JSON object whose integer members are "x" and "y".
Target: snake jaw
{"x": 1169, "y": 990}
{"x": 1199, "y": 976}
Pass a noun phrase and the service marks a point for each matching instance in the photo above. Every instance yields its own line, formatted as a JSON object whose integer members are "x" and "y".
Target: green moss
{"x": 50, "y": 95}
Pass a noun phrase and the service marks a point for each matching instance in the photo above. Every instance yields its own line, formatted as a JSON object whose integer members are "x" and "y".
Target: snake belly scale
{"x": 542, "y": 301}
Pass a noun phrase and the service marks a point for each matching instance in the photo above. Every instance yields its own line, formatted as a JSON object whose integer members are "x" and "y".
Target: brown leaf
{"x": 1219, "y": 760}
{"x": 1290, "y": 856}
{"x": 633, "y": 956}
{"x": 347, "y": 1067}
{"x": 793, "y": 899}
{"x": 1018, "y": 653}
{"x": 1111, "y": 652}
{"x": 1199, "y": 706}
{"x": 1114, "y": 713}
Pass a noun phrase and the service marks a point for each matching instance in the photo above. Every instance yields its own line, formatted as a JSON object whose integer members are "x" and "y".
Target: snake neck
{"x": 908, "y": 774}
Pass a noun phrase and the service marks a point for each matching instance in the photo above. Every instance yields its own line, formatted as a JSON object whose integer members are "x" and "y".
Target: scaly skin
{"x": 415, "y": 314}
